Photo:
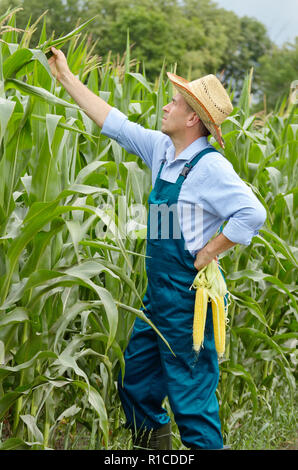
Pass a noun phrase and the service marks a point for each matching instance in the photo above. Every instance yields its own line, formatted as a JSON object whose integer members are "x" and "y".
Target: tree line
{"x": 196, "y": 35}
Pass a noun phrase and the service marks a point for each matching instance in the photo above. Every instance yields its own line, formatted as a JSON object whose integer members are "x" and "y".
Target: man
{"x": 186, "y": 171}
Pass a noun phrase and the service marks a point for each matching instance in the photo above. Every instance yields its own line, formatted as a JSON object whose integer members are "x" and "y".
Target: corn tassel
{"x": 199, "y": 320}
{"x": 219, "y": 326}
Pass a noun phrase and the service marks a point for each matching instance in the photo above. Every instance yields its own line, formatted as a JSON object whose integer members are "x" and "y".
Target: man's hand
{"x": 211, "y": 250}
{"x": 202, "y": 259}
{"x": 94, "y": 106}
{"x": 58, "y": 64}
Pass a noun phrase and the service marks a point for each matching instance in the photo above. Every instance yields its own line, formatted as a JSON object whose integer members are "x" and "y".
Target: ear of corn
{"x": 210, "y": 284}
{"x": 199, "y": 320}
{"x": 219, "y": 327}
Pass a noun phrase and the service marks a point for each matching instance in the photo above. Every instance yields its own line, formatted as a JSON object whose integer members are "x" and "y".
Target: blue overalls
{"x": 152, "y": 372}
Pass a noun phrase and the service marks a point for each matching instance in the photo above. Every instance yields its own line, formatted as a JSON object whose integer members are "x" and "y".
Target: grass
{"x": 274, "y": 428}
{"x": 271, "y": 429}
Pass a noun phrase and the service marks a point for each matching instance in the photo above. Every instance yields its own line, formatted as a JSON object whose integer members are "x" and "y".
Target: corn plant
{"x": 72, "y": 246}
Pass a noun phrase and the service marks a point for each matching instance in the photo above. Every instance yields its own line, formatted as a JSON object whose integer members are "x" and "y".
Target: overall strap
{"x": 188, "y": 166}
{"x": 160, "y": 169}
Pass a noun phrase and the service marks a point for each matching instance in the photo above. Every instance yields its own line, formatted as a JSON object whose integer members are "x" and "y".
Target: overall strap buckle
{"x": 188, "y": 166}
{"x": 185, "y": 170}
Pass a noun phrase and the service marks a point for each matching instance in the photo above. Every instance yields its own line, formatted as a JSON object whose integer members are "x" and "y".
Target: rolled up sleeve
{"x": 245, "y": 225}
{"x": 132, "y": 136}
{"x": 226, "y": 195}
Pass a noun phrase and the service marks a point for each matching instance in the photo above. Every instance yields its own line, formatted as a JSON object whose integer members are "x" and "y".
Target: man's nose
{"x": 165, "y": 108}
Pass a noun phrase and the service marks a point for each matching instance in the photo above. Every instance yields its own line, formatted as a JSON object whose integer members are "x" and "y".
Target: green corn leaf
{"x": 262, "y": 337}
{"x": 258, "y": 276}
{"x": 280, "y": 245}
{"x": 38, "y": 92}
{"x": 107, "y": 246}
{"x": 45, "y": 47}
{"x": 98, "y": 404}
{"x": 141, "y": 79}
{"x": 160, "y": 99}
{"x": 40, "y": 215}
{"x": 6, "y": 111}
{"x": 7, "y": 401}
{"x": 30, "y": 422}
{"x": 68, "y": 316}
{"x": 239, "y": 371}
{"x": 127, "y": 54}
{"x": 140, "y": 314}
{"x": 66, "y": 361}
{"x": 248, "y": 302}
{"x": 14, "y": 443}
{"x": 18, "y": 315}
{"x": 79, "y": 273}
{"x": 67, "y": 127}
{"x": 270, "y": 248}
{"x": 25, "y": 365}
{"x": 16, "y": 61}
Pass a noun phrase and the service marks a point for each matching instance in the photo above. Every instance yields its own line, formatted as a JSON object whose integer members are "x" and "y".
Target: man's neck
{"x": 182, "y": 144}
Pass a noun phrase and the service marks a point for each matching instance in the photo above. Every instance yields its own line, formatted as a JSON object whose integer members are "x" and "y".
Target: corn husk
{"x": 211, "y": 278}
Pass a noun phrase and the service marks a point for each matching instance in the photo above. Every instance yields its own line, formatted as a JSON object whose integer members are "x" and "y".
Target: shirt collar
{"x": 195, "y": 147}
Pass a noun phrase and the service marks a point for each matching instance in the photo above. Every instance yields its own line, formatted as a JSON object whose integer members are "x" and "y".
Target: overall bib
{"x": 152, "y": 372}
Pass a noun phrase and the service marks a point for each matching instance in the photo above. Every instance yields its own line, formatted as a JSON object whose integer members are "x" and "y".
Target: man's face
{"x": 176, "y": 114}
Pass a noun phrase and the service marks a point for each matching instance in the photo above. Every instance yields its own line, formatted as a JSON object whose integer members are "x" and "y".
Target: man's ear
{"x": 193, "y": 120}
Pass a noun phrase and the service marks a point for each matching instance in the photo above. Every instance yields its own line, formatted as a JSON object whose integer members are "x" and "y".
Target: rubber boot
{"x": 153, "y": 439}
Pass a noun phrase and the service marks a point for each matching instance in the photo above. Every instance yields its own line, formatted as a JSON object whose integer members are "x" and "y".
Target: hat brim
{"x": 181, "y": 84}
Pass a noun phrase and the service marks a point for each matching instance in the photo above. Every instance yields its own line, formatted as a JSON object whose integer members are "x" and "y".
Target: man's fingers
{"x": 57, "y": 52}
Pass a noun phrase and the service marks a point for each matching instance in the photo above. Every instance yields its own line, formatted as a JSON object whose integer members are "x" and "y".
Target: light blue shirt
{"x": 212, "y": 189}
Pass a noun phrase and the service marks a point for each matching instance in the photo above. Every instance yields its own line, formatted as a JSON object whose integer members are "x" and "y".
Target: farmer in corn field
{"x": 186, "y": 170}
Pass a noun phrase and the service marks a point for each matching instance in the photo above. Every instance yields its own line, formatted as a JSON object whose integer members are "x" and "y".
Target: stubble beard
{"x": 164, "y": 130}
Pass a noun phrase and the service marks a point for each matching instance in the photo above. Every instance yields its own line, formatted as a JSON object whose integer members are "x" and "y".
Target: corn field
{"x": 72, "y": 272}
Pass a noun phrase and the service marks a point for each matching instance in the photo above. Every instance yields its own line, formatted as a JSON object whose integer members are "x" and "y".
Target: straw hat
{"x": 209, "y": 100}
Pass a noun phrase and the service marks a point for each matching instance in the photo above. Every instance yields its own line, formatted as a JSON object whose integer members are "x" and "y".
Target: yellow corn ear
{"x": 219, "y": 325}
{"x": 199, "y": 319}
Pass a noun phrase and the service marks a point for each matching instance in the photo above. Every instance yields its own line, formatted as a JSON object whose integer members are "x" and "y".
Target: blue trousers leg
{"x": 144, "y": 387}
{"x": 152, "y": 373}
{"x": 191, "y": 389}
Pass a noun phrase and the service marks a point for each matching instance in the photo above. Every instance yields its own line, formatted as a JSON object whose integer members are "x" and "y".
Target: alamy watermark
{"x": 124, "y": 220}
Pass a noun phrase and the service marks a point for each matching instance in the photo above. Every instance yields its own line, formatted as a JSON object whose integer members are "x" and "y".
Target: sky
{"x": 279, "y": 16}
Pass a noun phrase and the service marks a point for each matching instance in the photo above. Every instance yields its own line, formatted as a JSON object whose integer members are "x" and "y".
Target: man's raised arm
{"x": 94, "y": 106}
